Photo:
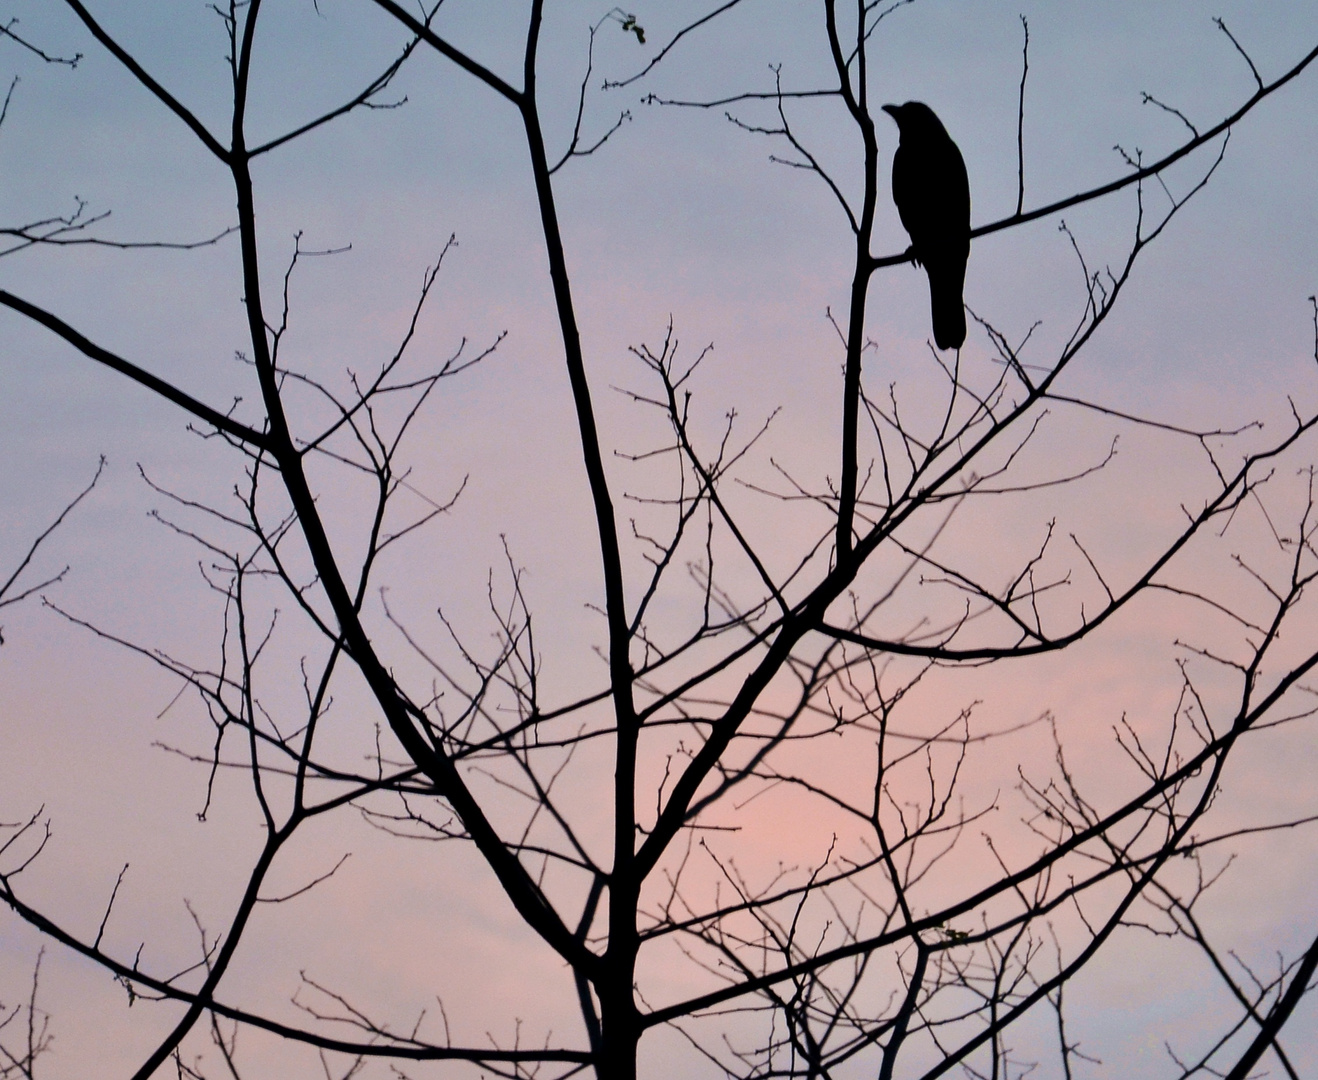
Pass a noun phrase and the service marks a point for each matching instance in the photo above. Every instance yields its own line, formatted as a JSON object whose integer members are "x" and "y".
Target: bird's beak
{"x": 891, "y": 110}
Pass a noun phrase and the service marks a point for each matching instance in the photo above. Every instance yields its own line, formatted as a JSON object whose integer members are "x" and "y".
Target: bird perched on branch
{"x": 932, "y": 193}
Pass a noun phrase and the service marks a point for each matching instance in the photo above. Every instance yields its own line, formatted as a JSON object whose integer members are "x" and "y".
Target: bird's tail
{"x": 945, "y": 304}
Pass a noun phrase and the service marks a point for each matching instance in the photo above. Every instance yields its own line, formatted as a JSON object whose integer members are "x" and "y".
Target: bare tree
{"x": 740, "y": 668}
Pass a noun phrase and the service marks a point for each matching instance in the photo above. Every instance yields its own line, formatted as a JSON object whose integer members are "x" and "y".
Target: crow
{"x": 932, "y": 193}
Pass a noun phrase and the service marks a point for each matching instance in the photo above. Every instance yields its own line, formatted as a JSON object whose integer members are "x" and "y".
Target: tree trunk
{"x": 619, "y": 1027}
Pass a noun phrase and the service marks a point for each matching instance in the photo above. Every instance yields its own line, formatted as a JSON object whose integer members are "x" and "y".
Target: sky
{"x": 681, "y": 217}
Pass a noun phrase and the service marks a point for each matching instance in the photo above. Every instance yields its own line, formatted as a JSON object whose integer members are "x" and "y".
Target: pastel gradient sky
{"x": 680, "y": 216}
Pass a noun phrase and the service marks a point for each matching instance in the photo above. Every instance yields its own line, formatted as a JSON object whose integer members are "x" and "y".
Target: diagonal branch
{"x": 168, "y": 391}
{"x": 140, "y": 73}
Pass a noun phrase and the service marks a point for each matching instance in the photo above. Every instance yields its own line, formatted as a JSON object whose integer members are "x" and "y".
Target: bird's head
{"x": 915, "y": 117}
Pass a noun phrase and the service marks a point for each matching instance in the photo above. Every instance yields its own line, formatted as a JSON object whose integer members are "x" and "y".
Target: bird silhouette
{"x": 932, "y": 193}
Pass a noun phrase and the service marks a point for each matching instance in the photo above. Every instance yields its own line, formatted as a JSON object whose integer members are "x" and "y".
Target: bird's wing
{"x": 906, "y": 185}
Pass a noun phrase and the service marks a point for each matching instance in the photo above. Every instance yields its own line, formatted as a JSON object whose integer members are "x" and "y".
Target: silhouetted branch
{"x": 1020, "y": 118}
{"x": 7, "y": 596}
